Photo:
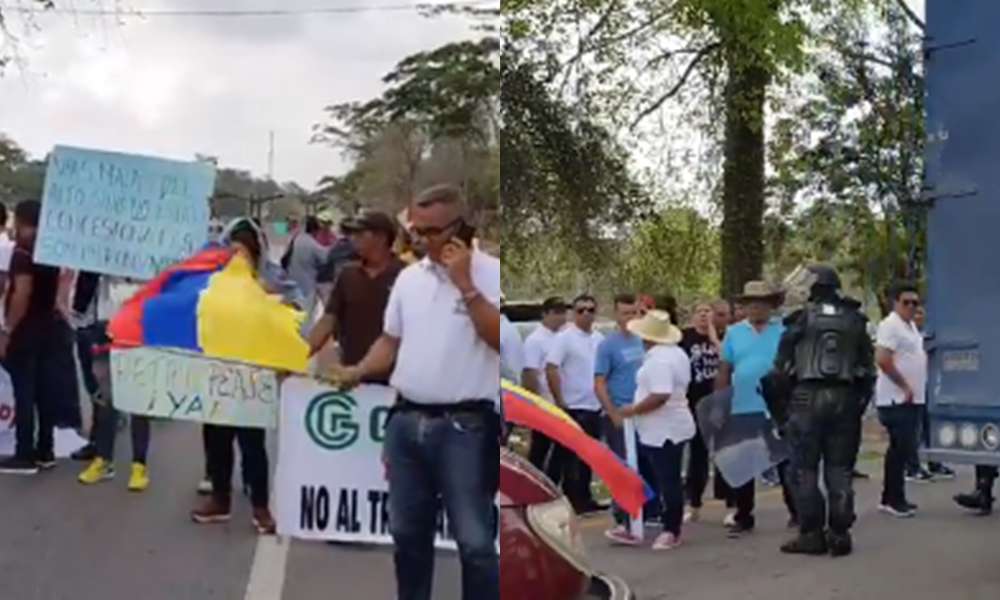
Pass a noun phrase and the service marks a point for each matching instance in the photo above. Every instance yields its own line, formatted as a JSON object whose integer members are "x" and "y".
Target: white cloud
{"x": 177, "y": 86}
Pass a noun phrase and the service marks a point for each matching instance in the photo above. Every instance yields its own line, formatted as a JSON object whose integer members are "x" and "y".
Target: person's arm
{"x": 531, "y": 381}
{"x": 322, "y": 333}
{"x": 555, "y": 384}
{"x": 19, "y": 303}
{"x": 601, "y": 389}
{"x": 887, "y": 344}
{"x": 484, "y": 313}
{"x": 724, "y": 379}
{"x": 380, "y": 358}
{"x": 651, "y": 403}
{"x": 886, "y": 361}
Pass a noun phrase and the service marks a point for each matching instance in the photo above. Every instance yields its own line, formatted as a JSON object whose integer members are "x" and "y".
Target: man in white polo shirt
{"x": 442, "y": 332}
{"x": 569, "y": 369}
{"x": 899, "y": 394}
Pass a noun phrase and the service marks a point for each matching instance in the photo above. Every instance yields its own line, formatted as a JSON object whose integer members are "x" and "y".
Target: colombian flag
{"x": 523, "y": 408}
{"x": 212, "y": 304}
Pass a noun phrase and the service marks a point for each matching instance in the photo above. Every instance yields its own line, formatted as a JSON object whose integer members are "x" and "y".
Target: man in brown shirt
{"x": 355, "y": 310}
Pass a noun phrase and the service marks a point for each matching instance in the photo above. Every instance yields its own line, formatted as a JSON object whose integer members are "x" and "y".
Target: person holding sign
{"x": 247, "y": 239}
{"x": 37, "y": 349}
{"x": 442, "y": 332}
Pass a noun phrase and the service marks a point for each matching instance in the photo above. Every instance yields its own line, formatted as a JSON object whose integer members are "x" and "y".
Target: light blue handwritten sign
{"x": 122, "y": 214}
{"x": 189, "y": 387}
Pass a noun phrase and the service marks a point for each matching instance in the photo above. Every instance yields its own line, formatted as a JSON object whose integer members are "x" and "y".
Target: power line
{"x": 276, "y": 12}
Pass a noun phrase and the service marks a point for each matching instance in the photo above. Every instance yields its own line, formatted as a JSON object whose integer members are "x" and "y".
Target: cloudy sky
{"x": 174, "y": 86}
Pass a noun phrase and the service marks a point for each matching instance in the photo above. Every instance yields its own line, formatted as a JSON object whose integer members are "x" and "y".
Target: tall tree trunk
{"x": 743, "y": 174}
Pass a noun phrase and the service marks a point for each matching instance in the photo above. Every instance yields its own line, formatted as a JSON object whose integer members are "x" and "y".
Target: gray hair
{"x": 447, "y": 194}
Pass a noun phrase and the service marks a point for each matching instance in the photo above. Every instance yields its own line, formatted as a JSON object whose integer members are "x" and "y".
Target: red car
{"x": 542, "y": 556}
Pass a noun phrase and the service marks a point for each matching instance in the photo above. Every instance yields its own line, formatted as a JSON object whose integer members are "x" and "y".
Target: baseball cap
{"x": 377, "y": 221}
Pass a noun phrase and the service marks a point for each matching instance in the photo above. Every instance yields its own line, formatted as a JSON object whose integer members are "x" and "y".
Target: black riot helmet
{"x": 826, "y": 281}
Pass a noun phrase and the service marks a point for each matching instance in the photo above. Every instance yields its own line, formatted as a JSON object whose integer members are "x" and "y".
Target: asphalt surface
{"x": 60, "y": 541}
{"x": 942, "y": 554}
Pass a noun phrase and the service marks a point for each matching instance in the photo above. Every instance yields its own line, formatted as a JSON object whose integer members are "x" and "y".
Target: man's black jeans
{"x": 577, "y": 476}
{"x": 902, "y": 422}
{"x": 43, "y": 373}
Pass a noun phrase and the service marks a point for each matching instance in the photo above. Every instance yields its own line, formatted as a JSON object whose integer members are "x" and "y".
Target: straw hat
{"x": 656, "y": 327}
{"x": 761, "y": 290}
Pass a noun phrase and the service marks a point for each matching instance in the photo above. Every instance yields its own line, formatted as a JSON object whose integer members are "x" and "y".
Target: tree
{"x": 20, "y": 177}
{"x": 848, "y": 157}
{"x": 436, "y": 121}
{"x": 629, "y": 59}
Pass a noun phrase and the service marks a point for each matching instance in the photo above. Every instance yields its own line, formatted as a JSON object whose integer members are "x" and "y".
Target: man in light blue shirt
{"x": 748, "y": 354}
{"x": 511, "y": 352}
{"x": 619, "y": 357}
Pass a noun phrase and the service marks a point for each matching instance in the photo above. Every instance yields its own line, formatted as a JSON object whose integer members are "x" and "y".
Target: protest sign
{"x": 189, "y": 387}
{"x": 120, "y": 214}
{"x": 330, "y": 483}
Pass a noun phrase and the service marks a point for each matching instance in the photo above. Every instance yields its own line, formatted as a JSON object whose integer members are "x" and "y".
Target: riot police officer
{"x": 825, "y": 366}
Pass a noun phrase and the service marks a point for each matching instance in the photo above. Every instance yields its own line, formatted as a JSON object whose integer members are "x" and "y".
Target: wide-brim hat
{"x": 761, "y": 290}
{"x": 656, "y": 327}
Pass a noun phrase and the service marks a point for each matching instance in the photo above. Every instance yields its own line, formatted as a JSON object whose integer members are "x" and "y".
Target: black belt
{"x": 438, "y": 411}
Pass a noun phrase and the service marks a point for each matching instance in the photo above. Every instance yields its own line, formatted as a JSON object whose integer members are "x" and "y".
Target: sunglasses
{"x": 432, "y": 231}
{"x": 585, "y": 310}
{"x": 911, "y": 303}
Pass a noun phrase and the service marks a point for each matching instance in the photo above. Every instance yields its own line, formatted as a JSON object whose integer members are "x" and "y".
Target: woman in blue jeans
{"x": 663, "y": 417}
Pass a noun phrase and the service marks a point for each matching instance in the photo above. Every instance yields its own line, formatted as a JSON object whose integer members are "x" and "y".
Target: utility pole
{"x": 270, "y": 157}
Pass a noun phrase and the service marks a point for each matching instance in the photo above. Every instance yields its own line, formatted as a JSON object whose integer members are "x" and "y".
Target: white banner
{"x": 173, "y": 385}
{"x": 330, "y": 482}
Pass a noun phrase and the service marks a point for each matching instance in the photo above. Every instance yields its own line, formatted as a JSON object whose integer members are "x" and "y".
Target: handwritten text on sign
{"x": 159, "y": 383}
{"x": 121, "y": 214}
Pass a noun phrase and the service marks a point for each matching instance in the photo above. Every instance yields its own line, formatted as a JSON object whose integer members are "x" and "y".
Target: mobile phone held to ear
{"x": 466, "y": 233}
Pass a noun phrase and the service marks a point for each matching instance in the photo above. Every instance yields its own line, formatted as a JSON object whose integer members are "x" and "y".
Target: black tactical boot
{"x": 812, "y": 544}
{"x": 840, "y": 544}
{"x": 980, "y": 501}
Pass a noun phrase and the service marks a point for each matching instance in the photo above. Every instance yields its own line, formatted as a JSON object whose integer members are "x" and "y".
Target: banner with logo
{"x": 330, "y": 480}
{"x": 188, "y": 387}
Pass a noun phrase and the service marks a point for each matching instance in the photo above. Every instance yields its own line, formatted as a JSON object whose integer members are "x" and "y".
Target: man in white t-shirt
{"x": 442, "y": 344}
{"x": 899, "y": 394}
{"x": 536, "y": 349}
{"x": 570, "y": 371}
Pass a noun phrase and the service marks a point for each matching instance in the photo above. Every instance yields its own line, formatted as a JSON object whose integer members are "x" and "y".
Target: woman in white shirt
{"x": 662, "y": 416}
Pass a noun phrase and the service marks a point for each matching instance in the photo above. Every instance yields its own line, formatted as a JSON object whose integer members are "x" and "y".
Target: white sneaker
{"x": 666, "y": 541}
{"x": 622, "y": 536}
{"x": 693, "y": 515}
{"x": 730, "y": 520}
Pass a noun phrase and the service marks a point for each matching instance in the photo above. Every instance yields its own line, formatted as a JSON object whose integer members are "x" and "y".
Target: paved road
{"x": 941, "y": 555}
{"x": 62, "y": 542}
{"x": 59, "y": 541}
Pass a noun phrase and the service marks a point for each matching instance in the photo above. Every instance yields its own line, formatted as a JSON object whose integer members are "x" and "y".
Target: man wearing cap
{"x": 356, "y": 307}
{"x": 536, "y": 348}
{"x": 748, "y": 354}
{"x": 442, "y": 343}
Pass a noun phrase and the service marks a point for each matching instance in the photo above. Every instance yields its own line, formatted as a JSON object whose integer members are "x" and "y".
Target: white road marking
{"x": 267, "y": 575}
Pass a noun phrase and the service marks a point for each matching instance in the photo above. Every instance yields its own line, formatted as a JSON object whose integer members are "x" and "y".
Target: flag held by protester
{"x": 212, "y": 304}
{"x": 525, "y": 409}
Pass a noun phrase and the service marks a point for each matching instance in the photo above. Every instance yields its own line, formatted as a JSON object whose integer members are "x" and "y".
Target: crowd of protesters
{"x": 407, "y": 302}
{"x": 646, "y": 369}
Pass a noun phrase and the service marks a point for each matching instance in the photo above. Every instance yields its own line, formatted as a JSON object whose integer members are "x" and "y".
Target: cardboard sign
{"x": 121, "y": 214}
{"x": 187, "y": 387}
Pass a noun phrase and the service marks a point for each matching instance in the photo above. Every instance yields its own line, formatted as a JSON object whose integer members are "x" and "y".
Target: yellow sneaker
{"x": 140, "y": 478}
{"x": 98, "y": 471}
